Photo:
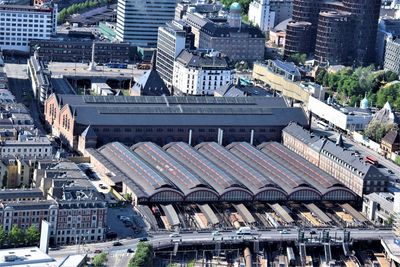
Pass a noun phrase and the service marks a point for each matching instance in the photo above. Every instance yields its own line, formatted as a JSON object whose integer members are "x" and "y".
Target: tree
{"x": 298, "y": 58}
{"x": 3, "y": 236}
{"x": 143, "y": 256}
{"x": 15, "y": 236}
{"x": 389, "y": 94}
{"x": 99, "y": 259}
{"x": 377, "y": 130}
{"x": 320, "y": 76}
{"x": 32, "y": 235}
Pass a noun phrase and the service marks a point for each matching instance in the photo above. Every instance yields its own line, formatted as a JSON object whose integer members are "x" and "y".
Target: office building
{"x": 237, "y": 40}
{"x": 64, "y": 48}
{"x": 20, "y": 24}
{"x": 199, "y": 73}
{"x": 362, "y": 178}
{"x": 333, "y": 18}
{"x": 379, "y": 207}
{"x": 333, "y": 35}
{"x": 172, "y": 39}
{"x": 164, "y": 119}
{"x": 23, "y": 214}
{"x": 343, "y": 118}
{"x": 82, "y": 210}
{"x": 387, "y": 27}
{"x": 27, "y": 146}
{"x": 266, "y": 14}
{"x": 285, "y": 78}
{"x": 200, "y": 7}
{"x": 392, "y": 55}
{"x": 138, "y": 21}
{"x": 39, "y": 76}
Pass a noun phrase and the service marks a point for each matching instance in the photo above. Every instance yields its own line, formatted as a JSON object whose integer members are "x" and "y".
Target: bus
{"x": 117, "y": 65}
{"x": 323, "y": 125}
{"x": 371, "y": 160}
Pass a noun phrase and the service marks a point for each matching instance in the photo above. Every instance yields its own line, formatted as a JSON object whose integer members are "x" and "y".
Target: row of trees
{"x": 17, "y": 236}
{"x": 143, "y": 256}
{"x": 350, "y": 86}
{"x": 75, "y": 8}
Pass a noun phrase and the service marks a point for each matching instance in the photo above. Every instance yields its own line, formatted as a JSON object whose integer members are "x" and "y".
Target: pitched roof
{"x": 187, "y": 110}
{"x": 150, "y": 84}
{"x": 391, "y": 137}
{"x": 89, "y": 132}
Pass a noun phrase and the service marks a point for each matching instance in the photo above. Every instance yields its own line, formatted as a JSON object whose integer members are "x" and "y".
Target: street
{"x": 165, "y": 240}
{"x": 20, "y": 86}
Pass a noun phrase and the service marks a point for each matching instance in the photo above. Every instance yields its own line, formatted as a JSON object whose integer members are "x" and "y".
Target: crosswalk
{"x": 119, "y": 259}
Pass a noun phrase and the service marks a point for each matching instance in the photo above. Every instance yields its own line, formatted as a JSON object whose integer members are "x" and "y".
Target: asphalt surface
{"x": 165, "y": 240}
{"x": 20, "y": 86}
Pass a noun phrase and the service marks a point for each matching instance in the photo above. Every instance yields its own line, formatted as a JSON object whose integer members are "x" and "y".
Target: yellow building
{"x": 285, "y": 78}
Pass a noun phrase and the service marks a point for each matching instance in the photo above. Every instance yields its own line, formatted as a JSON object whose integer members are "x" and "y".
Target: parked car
{"x": 129, "y": 250}
{"x": 98, "y": 251}
{"x": 143, "y": 239}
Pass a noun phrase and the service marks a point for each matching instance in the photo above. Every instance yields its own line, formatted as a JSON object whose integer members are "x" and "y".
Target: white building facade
{"x": 200, "y": 74}
{"x": 266, "y": 14}
{"x": 27, "y": 147}
{"x": 345, "y": 118}
{"x": 20, "y": 24}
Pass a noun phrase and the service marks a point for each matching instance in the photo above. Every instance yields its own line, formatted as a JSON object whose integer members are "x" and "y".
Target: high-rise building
{"x": 20, "y": 24}
{"x": 333, "y": 35}
{"x": 392, "y": 55}
{"x": 138, "y": 21}
{"x": 268, "y": 13}
{"x": 172, "y": 39}
{"x": 362, "y": 20}
{"x": 387, "y": 27}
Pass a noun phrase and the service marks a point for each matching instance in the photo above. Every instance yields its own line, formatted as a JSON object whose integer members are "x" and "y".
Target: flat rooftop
{"x": 30, "y": 256}
{"x": 67, "y": 69}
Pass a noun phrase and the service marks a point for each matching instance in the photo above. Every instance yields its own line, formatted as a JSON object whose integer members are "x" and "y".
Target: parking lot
{"x": 125, "y": 222}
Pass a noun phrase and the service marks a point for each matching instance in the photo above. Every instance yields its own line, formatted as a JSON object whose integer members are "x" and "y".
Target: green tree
{"x": 377, "y": 130}
{"x": 389, "y": 94}
{"x": 32, "y": 235}
{"x": 15, "y": 236}
{"x": 320, "y": 76}
{"x": 143, "y": 256}
{"x": 298, "y": 58}
{"x": 100, "y": 259}
{"x": 3, "y": 236}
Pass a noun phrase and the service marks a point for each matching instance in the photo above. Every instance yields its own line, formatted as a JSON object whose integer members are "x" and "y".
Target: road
{"x": 21, "y": 87}
{"x": 61, "y": 86}
{"x": 164, "y": 240}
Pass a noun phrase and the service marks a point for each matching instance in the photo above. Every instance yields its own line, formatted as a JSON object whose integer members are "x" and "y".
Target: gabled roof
{"x": 151, "y": 84}
{"x": 391, "y": 137}
{"x": 89, "y": 132}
